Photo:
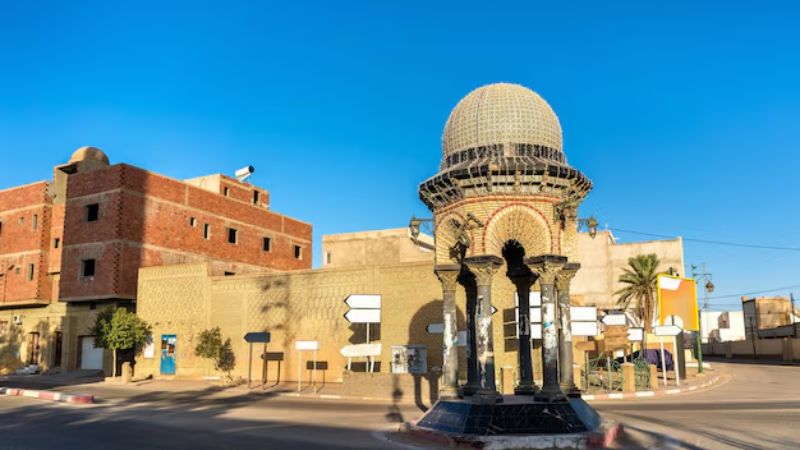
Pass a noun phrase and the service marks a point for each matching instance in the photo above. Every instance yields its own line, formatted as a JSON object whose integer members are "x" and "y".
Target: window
{"x": 56, "y": 241}
{"x": 229, "y": 274}
{"x": 92, "y": 212}
{"x": 327, "y": 257}
{"x": 266, "y": 244}
{"x": 255, "y": 197}
{"x": 87, "y": 268}
{"x": 298, "y": 252}
{"x": 225, "y": 191}
{"x": 35, "y": 221}
{"x": 206, "y": 231}
{"x": 233, "y": 236}
{"x": 192, "y": 222}
{"x": 1, "y": 228}
{"x": 30, "y": 272}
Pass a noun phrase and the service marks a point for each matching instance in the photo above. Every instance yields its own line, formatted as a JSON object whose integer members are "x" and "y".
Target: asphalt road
{"x": 757, "y": 407}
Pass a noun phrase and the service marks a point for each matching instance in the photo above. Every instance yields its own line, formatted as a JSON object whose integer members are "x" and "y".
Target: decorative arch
{"x": 519, "y": 222}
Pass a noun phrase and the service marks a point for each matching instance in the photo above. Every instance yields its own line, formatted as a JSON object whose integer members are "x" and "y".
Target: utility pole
{"x": 794, "y": 325}
{"x": 707, "y": 289}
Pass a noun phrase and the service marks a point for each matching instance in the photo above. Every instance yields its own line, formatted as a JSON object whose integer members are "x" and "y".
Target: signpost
{"x": 583, "y": 321}
{"x": 364, "y": 308}
{"x": 253, "y": 338}
{"x": 301, "y": 346}
{"x": 668, "y": 330}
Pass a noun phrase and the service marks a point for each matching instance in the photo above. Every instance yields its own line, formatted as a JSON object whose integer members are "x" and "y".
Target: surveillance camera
{"x": 245, "y": 172}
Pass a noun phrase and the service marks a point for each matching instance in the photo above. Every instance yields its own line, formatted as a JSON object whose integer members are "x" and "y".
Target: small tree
{"x": 211, "y": 346}
{"x": 639, "y": 292}
{"x": 119, "y": 329}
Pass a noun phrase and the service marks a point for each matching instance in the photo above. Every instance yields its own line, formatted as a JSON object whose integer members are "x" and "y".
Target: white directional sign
{"x": 584, "y": 328}
{"x": 536, "y": 331}
{"x": 635, "y": 334}
{"x": 583, "y": 313}
{"x": 462, "y": 339}
{"x": 364, "y": 301}
{"x": 306, "y": 345}
{"x": 361, "y": 350}
{"x": 615, "y": 319}
{"x": 363, "y": 316}
{"x": 667, "y": 330}
{"x": 535, "y": 299}
{"x": 435, "y": 328}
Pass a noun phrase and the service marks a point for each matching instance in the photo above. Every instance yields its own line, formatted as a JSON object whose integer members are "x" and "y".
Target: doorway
{"x": 168, "y": 344}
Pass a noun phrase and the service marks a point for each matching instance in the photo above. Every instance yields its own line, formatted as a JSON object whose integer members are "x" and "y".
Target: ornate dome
{"x": 93, "y": 154}
{"x": 501, "y": 114}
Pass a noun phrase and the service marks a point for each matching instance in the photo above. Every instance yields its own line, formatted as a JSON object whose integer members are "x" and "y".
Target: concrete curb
{"x": 659, "y": 393}
{"x": 49, "y": 395}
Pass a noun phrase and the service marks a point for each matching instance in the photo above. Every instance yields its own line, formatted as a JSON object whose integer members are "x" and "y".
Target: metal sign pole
{"x": 663, "y": 359}
{"x": 250, "y": 367}
{"x": 314, "y": 372}
{"x": 264, "y": 367}
{"x": 299, "y": 369}
{"x": 677, "y": 366}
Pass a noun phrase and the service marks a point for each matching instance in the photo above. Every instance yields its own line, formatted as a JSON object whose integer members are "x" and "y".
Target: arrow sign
{"x": 635, "y": 334}
{"x": 614, "y": 319}
{"x": 435, "y": 328}
{"x": 363, "y": 316}
{"x": 255, "y": 337}
{"x": 667, "y": 330}
{"x": 363, "y": 301}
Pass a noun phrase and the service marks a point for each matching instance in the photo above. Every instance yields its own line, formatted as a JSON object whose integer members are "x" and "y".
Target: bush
{"x": 211, "y": 346}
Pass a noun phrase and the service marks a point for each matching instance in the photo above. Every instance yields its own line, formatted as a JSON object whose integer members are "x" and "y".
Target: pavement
{"x": 755, "y": 406}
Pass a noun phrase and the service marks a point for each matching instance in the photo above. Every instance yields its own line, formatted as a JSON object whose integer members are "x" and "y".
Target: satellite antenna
{"x": 244, "y": 173}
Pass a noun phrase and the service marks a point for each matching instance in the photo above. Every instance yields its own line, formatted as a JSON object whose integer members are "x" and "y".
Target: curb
{"x": 49, "y": 395}
{"x": 660, "y": 393}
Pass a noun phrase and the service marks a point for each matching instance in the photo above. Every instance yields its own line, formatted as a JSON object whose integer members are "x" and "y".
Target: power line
{"x": 708, "y": 241}
{"x": 744, "y": 294}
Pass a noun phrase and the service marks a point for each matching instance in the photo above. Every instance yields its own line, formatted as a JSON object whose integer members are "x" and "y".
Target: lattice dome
{"x": 501, "y": 113}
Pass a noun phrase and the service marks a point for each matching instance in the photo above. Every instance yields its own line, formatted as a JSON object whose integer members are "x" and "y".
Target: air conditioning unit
{"x": 17, "y": 319}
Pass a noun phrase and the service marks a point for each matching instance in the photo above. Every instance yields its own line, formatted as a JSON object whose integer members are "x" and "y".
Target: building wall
{"x": 44, "y": 320}
{"x": 603, "y": 260}
{"x": 25, "y": 218}
{"x": 722, "y": 326}
{"x": 379, "y": 247}
{"x": 148, "y": 220}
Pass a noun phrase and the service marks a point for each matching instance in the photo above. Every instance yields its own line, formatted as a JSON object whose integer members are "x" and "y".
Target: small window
{"x": 233, "y": 236}
{"x": 225, "y": 191}
{"x": 87, "y": 268}
{"x": 255, "y": 197}
{"x": 206, "y": 231}
{"x": 298, "y": 252}
{"x": 30, "y": 272}
{"x": 229, "y": 274}
{"x": 327, "y": 257}
{"x": 192, "y": 222}
{"x": 1, "y": 228}
{"x": 266, "y": 244}
{"x": 92, "y": 212}
{"x": 56, "y": 242}
{"x": 35, "y": 221}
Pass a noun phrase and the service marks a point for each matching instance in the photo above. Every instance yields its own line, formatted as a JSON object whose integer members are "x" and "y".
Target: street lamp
{"x": 415, "y": 224}
{"x": 708, "y": 288}
{"x": 590, "y": 224}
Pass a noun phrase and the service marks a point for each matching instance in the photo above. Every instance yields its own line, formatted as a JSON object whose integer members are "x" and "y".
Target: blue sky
{"x": 684, "y": 115}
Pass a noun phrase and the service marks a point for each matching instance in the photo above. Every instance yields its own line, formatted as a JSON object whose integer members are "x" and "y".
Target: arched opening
{"x": 514, "y": 254}
{"x": 522, "y": 277}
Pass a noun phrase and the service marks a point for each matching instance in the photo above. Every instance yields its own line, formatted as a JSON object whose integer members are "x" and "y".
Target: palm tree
{"x": 640, "y": 290}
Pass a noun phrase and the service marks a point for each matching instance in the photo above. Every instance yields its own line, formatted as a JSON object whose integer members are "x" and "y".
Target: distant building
{"x": 722, "y": 326}
{"x": 75, "y": 244}
{"x": 769, "y": 317}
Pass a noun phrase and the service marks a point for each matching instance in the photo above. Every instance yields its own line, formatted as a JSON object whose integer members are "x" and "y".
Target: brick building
{"x": 76, "y": 243}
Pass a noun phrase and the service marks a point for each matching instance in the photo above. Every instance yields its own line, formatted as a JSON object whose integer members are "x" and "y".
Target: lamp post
{"x": 707, "y": 289}
{"x": 415, "y": 225}
{"x": 590, "y": 224}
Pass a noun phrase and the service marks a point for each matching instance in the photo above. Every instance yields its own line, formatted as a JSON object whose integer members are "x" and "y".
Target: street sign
{"x": 435, "y": 328}
{"x": 667, "y": 330}
{"x": 363, "y": 316}
{"x": 583, "y": 313}
{"x": 536, "y": 331}
{"x": 615, "y": 319}
{"x": 462, "y": 339}
{"x": 635, "y": 334}
{"x": 257, "y": 337}
{"x": 363, "y": 301}
{"x": 361, "y": 350}
{"x": 584, "y": 328}
{"x": 534, "y": 299}
{"x": 306, "y": 345}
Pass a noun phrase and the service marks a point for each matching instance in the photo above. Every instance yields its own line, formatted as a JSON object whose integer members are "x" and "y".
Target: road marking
{"x": 616, "y": 396}
{"x": 673, "y": 391}
{"x": 646, "y": 394}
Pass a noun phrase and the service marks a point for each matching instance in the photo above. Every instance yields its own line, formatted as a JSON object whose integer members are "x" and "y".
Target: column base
{"x": 483, "y": 395}
{"x": 550, "y": 395}
{"x": 526, "y": 389}
{"x": 449, "y": 393}
{"x": 571, "y": 390}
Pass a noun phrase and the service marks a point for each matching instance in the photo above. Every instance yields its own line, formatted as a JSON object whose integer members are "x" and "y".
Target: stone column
{"x": 484, "y": 268}
{"x": 547, "y": 267}
{"x": 567, "y": 377}
{"x": 523, "y": 280}
{"x": 448, "y": 276}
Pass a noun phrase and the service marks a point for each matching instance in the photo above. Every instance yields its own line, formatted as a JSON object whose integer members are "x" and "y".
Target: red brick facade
{"x": 143, "y": 219}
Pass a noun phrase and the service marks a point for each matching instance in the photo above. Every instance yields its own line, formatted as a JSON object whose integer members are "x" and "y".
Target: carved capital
{"x": 448, "y": 276}
{"x": 565, "y": 275}
{"x": 547, "y": 267}
{"x": 484, "y": 268}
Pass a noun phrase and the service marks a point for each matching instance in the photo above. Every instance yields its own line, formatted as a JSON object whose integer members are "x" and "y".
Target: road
{"x": 758, "y": 406}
